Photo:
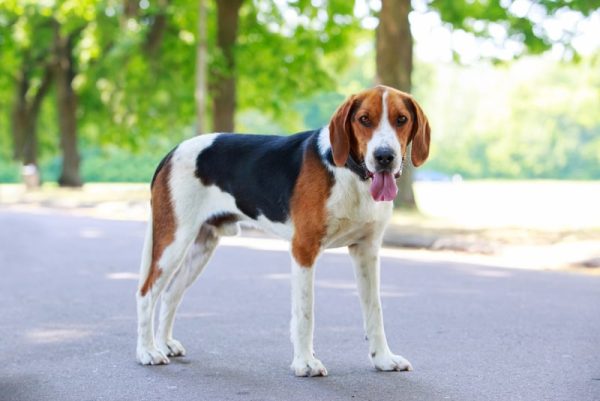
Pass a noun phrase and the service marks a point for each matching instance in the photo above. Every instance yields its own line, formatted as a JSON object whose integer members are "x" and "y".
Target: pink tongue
{"x": 383, "y": 187}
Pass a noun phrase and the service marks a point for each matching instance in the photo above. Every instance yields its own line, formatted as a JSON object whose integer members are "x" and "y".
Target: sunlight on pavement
{"x": 91, "y": 233}
{"x": 278, "y": 276}
{"x": 492, "y": 273}
{"x": 336, "y": 284}
{"x": 122, "y": 276}
{"x": 515, "y": 257}
{"x": 47, "y": 336}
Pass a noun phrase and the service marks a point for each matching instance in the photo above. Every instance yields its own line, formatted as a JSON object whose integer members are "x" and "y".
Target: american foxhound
{"x": 319, "y": 189}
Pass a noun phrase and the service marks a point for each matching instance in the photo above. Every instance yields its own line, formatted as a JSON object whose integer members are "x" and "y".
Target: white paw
{"x": 389, "y": 362}
{"x": 308, "y": 367}
{"x": 171, "y": 347}
{"x": 151, "y": 356}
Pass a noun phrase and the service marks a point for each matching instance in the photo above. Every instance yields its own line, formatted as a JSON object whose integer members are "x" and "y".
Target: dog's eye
{"x": 364, "y": 120}
{"x": 401, "y": 121}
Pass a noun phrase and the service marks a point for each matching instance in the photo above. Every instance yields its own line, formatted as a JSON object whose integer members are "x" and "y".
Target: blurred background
{"x": 95, "y": 92}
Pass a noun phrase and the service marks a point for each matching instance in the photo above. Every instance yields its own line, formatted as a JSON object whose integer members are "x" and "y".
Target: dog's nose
{"x": 384, "y": 157}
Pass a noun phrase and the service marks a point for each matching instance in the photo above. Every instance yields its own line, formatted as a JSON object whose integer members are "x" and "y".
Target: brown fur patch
{"x": 163, "y": 223}
{"x": 420, "y": 134}
{"x": 221, "y": 219}
{"x": 370, "y": 107}
{"x": 398, "y": 105}
{"x": 348, "y": 134}
{"x": 340, "y": 131}
{"x": 308, "y": 208}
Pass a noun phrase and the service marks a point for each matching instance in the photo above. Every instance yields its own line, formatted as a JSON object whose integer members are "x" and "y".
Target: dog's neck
{"x": 357, "y": 167}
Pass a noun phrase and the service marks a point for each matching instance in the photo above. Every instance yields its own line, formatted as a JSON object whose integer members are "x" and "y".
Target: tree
{"x": 224, "y": 82}
{"x": 28, "y": 65}
{"x": 26, "y": 109}
{"x": 524, "y": 24}
{"x": 122, "y": 71}
{"x": 271, "y": 49}
{"x": 290, "y": 52}
{"x": 394, "y": 60}
{"x": 200, "y": 93}
{"x": 66, "y": 106}
{"x": 44, "y": 42}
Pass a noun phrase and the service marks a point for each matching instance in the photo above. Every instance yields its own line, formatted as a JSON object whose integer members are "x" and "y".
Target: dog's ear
{"x": 421, "y": 135}
{"x": 340, "y": 129}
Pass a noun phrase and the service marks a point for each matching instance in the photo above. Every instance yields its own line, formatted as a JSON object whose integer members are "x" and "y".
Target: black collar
{"x": 358, "y": 168}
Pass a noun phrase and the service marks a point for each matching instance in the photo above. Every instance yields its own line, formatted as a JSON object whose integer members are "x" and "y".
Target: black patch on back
{"x": 259, "y": 171}
{"x": 162, "y": 163}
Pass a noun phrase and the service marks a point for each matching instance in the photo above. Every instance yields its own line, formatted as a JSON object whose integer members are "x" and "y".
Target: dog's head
{"x": 375, "y": 127}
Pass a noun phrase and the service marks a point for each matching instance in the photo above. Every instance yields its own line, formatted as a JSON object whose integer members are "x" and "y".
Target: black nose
{"x": 384, "y": 157}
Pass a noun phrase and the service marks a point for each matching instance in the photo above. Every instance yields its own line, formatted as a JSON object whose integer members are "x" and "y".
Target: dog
{"x": 326, "y": 188}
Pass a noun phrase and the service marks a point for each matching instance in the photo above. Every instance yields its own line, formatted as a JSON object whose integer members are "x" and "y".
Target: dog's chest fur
{"x": 352, "y": 214}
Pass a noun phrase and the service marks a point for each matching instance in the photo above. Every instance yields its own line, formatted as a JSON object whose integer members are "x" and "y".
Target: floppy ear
{"x": 340, "y": 129}
{"x": 420, "y": 136}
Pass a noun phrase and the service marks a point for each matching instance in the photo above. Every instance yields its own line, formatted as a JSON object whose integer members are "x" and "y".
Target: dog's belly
{"x": 340, "y": 231}
{"x": 282, "y": 230}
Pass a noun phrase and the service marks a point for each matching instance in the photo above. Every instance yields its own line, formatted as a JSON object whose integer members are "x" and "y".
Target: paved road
{"x": 67, "y": 325}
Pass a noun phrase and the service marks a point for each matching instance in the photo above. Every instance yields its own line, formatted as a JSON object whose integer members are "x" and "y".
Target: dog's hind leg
{"x": 197, "y": 257}
{"x": 168, "y": 238}
{"x": 162, "y": 269}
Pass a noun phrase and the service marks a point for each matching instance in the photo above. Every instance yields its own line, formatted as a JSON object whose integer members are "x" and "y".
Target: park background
{"x": 97, "y": 91}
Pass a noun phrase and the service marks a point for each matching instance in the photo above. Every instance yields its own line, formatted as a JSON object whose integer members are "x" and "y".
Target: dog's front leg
{"x": 304, "y": 363}
{"x": 365, "y": 257}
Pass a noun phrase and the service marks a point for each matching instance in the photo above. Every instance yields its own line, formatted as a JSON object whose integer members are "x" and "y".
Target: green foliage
{"x": 524, "y": 26}
{"x": 9, "y": 171}
{"x": 295, "y": 62}
{"x": 118, "y": 165}
{"x": 112, "y": 165}
{"x": 534, "y": 119}
{"x": 286, "y": 53}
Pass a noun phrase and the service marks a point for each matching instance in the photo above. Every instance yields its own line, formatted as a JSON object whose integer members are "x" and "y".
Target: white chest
{"x": 353, "y": 215}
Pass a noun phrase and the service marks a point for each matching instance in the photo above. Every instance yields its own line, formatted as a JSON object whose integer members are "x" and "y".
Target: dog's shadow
{"x": 275, "y": 381}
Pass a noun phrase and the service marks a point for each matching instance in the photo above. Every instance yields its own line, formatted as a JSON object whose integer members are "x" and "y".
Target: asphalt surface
{"x": 67, "y": 325}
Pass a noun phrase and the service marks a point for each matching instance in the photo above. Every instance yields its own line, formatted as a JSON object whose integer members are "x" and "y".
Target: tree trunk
{"x": 64, "y": 73}
{"x": 19, "y": 114}
{"x": 201, "y": 61}
{"x": 25, "y": 113}
{"x": 25, "y": 122}
{"x": 224, "y": 88}
{"x": 156, "y": 32}
{"x": 394, "y": 48}
{"x": 131, "y": 9}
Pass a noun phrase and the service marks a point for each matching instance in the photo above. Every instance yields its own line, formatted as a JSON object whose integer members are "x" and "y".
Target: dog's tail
{"x": 146, "y": 255}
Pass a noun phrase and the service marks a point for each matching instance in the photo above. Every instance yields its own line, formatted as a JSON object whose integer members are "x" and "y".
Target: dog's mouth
{"x": 383, "y": 186}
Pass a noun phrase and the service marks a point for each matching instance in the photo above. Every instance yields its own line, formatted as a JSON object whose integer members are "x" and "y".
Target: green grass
{"x": 96, "y": 166}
